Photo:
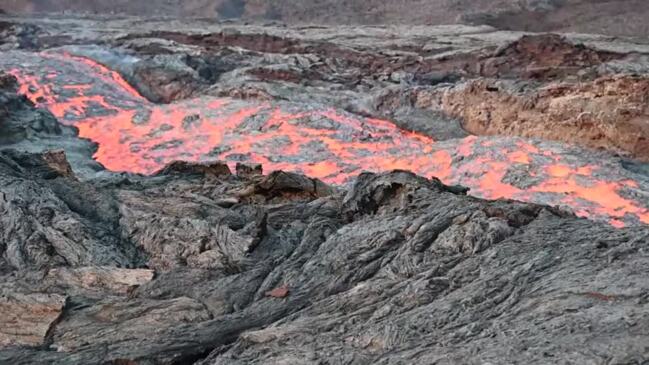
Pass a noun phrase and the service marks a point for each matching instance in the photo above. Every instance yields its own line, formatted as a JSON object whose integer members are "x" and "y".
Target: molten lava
{"x": 137, "y": 136}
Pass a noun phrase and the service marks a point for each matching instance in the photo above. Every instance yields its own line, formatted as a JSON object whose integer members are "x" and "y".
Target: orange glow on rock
{"x": 137, "y": 136}
{"x": 519, "y": 157}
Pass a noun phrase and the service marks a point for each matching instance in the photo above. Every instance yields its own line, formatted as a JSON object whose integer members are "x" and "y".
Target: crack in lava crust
{"x": 137, "y": 136}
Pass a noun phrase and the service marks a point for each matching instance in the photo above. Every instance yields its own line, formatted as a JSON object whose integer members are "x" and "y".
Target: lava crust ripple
{"x": 135, "y": 135}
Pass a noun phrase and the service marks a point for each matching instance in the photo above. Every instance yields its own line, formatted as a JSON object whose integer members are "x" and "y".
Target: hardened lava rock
{"x": 202, "y": 259}
{"x": 207, "y": 268}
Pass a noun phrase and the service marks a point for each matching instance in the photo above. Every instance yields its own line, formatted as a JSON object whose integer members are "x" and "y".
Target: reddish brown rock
{"x": 104, "y": 279}
{"x": 610, "y": 113}
{"x": 281, "y": 292}
{"x": 27, "y": 318}
{"x": 58, "y": 162}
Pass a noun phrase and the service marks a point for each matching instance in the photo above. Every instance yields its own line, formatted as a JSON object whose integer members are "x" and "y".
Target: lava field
{"x": 135, "y": 135}
{"x": 233, "y": 193}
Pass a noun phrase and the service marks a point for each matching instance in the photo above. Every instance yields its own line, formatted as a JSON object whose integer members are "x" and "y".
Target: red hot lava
{"x": 137, "y": 136}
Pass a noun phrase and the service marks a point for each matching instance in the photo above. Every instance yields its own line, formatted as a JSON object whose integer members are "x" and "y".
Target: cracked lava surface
{"x": 135, "y": 135}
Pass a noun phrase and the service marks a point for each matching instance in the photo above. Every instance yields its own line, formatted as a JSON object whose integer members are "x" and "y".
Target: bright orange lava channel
{"x": 137, "y": 136}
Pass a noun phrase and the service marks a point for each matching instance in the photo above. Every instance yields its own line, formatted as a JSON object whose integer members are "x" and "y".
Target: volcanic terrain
{"x": 192, "y": 192}
{"x": 612, "y": 17}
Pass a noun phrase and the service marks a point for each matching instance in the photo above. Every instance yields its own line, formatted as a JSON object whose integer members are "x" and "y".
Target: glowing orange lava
{"x": 137, "y": 136}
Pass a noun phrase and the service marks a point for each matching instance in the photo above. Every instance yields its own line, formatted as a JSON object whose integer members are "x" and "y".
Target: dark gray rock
{"x": 397, "y": 269}
{"x": 26, "y": 128}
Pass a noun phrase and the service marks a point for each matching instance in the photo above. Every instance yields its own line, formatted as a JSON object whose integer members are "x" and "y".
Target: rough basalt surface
{"x": 607, "y": 113}
{"x": 219, "y": 262}
{"x": 193, "y": 267}
{"x": 26, "y": 128}
{"x": 197, "y": 265}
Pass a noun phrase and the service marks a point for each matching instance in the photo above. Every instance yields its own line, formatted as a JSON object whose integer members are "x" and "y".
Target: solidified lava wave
{"x": 137, "y": 136}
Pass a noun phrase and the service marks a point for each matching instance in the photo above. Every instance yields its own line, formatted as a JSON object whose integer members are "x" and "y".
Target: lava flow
{"x": 137, "y": 136}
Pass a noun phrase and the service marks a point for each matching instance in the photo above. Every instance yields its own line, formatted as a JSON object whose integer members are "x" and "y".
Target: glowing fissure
{"x": 137, "y": 136}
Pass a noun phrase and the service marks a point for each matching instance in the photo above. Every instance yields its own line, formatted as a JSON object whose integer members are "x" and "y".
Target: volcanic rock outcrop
{"x": 609, "y": 113}
{"x": 26, "y": 128}
{"x": 193, "y": 267}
